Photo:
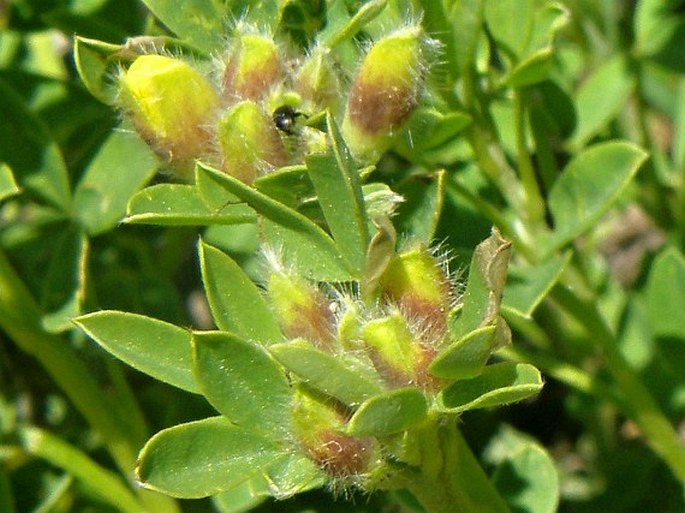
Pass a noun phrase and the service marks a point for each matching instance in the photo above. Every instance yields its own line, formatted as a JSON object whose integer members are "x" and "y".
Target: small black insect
{"x": 284, "y": 118}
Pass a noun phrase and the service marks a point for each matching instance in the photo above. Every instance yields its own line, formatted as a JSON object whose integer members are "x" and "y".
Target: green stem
{"x": 636, "y": 398}
{"x": 20, "y": 318}
{"x": 535, "y": 205}
{"x": 450, "y": 479}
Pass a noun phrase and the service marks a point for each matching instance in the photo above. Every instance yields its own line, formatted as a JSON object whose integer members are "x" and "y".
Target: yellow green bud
{"x": 418, "y": 285}
{"x": 253, "y": 68}
{"x": 171, "y": 105}
{"x": 385, "y": 91}
{"x": 249, "y": 142}
{"x": 302, "y": 310}
{"x": 317, "y": 81}
{"x": 394, "y": 350}
{"x": 319, "y": 427}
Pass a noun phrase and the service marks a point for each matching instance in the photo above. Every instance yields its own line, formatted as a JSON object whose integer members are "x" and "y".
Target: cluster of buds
{"x": 393, "y": 336}
{"x": 249, "y": 117}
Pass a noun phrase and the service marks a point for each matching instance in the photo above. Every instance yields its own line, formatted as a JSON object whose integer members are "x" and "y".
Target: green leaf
{"x": 666, "y": 294}
{"x": 302, "y": 243}
{"x": 121, "y": 167}
{"x": 336, "y": 180}
{"x": 535, "y": 68}
{"x": 8, "y": 186}
{"x": 428, "y": 127}
{"x": 236, "y": 303}
{"x": 289, "y": 185}
{"x": 511, "y": 22}
{"x": 154, "y": 347}
{"x": 243, "y": 497}
{"x": 466, "y": 357}
{"x": 601, "y": 97}
{"x": 528, "y": 480}
{"x": 389, "y": 413}
{"x": 203, "y": 458}
{"x": 292, "y": 474}
{"x": 181, "y": 205}
{"x": 588, "y": 187}
{"x": 487, "y": 276}
{"x": 498, "y": 384}
{"x": 33, "y": 156}
{"x": 243, "y": 382}
{"x": 64, "y": 286}
{"x": 95, "y": 65}
{"x": 201, "y": 22}
{"x": 527, "y": 285}
{"x": 346, "y": 379}
{"x": 419, "y": 214}
{"x": 660, "y": 32}
{"x": 104, "y": 484}
{"x": 366, "y": 13}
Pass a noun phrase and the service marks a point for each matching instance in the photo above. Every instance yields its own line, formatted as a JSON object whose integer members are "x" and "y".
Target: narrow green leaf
{"x": 535, "y": 68}
{"x": 243, "y": 382}
{"x": 237, "y": 304}
{"x": 601, "y": 97}
{"x": 487, "y": 276}
{"x": 204, "y": 28}
{"x": 389, "y": 413}
{"x": 95, "y": 66}
{"x": 418, "y": 216}
{"x": 289, "y": 185}
{"x": 8, "y": 186}
{"x": 154, "y": 347}
{"x": 366, "y": 13}
{"x": 528, "y": 285}
{"x": 345, "y": 379}
{"x": 466, "y": 357}
{"x": 106, "y": 485}
{"x": 203, "y": 458}
{"x": 28, "y": 149}
{"x": 338, "y": 188}
{"x": 588, "y": 187}
{"x": 498, "y": 384}
{"x": 302, "y": 243}
{"x": 121, "y": 167}
{"x": 181, "y": 205}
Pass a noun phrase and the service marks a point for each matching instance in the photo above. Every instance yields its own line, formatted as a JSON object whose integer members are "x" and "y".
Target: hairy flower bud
{"x": 393, "y": 349}
{"x": 415, "y": 281}
{"x": 249, "y": 142}
{"x": 302, "y": 310}
{"x": 319, "y": 428}
{"x": 171, "y": 105}
{"x": 317, "y": 81}
{"x": 385, "y": 91}
{"x": 253, "y": 67}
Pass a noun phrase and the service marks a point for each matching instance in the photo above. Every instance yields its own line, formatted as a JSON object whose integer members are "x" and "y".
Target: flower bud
{"x": 385, "y": 91}
{"x": 317, "y": 81}
{"x": 249, "y": 142}
{"x": 417, "y": 284}
{"x": 253, "y": 67}
{"x": 302, "y": 310}
{"x": 319, "y": 426}
{"x": 393, "y": 349}
{"x": 171, "y": 105}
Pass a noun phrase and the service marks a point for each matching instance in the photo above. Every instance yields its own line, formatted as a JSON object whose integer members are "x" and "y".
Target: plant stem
{"x": 20, "y": 318}
{"x": 636, "y": 398}
{"x": 449, "y": 478}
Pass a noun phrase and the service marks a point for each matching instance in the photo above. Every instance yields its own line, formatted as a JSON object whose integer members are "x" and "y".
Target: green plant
{"x": 318, "y": 150}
